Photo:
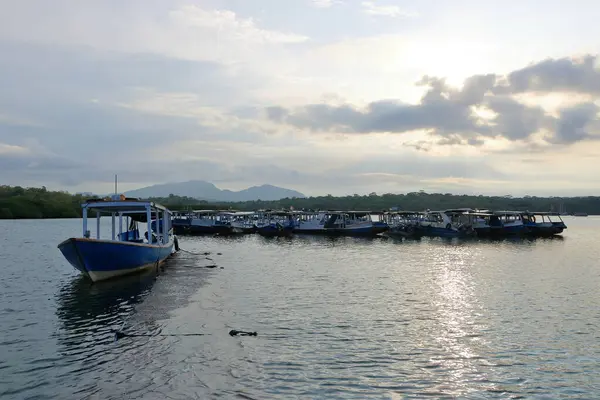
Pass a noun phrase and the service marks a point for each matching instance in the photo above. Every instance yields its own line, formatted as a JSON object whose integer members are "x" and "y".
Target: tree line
{"x": 19, "y": 202}
{"x": 414, "y": 201}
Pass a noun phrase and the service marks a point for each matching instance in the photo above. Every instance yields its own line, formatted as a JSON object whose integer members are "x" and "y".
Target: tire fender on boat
{"x": 448, "y": 226}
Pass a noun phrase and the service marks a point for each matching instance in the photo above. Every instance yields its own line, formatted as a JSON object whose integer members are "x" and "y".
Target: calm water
{"x": 344, "y": 318}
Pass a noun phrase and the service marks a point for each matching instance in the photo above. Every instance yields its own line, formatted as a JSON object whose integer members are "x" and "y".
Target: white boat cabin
{"x": 125, "y": 215}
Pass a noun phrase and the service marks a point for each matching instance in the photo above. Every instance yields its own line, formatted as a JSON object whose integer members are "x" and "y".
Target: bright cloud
{"x": 324, "y": 3}
{"x": 371, "y": 8}
{"x": 323, "y": 96}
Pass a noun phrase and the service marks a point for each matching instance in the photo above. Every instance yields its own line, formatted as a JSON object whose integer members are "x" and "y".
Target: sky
{"x": 322, "y": 96}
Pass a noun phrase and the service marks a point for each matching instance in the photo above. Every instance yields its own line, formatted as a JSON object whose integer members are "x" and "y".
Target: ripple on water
{"x": 337, "y": 318}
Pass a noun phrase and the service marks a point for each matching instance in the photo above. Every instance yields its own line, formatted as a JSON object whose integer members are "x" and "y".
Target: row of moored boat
{"x": 464, "y": 222}
{"x": 124, "y": 250}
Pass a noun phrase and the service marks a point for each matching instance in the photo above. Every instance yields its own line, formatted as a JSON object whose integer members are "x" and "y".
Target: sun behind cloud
{"x": 322, "y": 96}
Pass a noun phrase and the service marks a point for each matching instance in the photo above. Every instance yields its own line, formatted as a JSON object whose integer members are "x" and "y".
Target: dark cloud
{"x": 515, "y": 120}
{"x": 20, "y": 167}
{"x": 449, "y": 113}
{"x": 276, "y": 113}
{"x": 68, "y": 101}
{"x": 475, "y": 88}
{"x": 558, "y": 75}
{"x": 574, "y": 123}
{"x": 54, "y": 73}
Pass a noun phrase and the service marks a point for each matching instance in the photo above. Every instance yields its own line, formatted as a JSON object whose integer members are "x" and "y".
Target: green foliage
{"x": 415, "y": 201}
{"x": 18, "y": 202}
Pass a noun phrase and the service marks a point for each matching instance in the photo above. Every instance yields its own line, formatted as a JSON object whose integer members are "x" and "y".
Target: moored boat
{"x": 543, "y": 224}
{"x": 339, "y": 223}
{"x": 310, "y": 222}
{"x": 241, "y": 222}
{"x": 275, "y": 223}
{"x": 208, "y": 222}
{"x": 455, "y": 223}
{"x": 181, "y": 221}
{"x": 507, "y": 223}
{"x": 125, "y": 252}
{"x": 354, "y": 223}
{"x": 404, "y": 225}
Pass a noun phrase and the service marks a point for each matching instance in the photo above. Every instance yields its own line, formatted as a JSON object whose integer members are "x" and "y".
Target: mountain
{"x": 207, "y": 191}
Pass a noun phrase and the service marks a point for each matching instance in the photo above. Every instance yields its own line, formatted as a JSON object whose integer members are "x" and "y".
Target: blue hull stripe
{"x": 90, "y": 255}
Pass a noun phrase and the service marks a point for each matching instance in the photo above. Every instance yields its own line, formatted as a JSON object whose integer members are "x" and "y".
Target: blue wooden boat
{"x": 126, "y": 251}
{"x": 543, "y": 224}
{"x": 404, "y": 224}
{"x": 454, "y": 223}
{"x": 203, "y": 222}
{"x": 340, "y": 223}
{"x": 275, "y": 229}
{"x": 275, "y": 223}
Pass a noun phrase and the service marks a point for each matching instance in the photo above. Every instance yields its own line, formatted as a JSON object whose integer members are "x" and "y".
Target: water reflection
{"x": 329, "y": 241}
{"x": 337, "y": 317}
{"x": 458, "y": 332}
{"x": 88, "y": 312}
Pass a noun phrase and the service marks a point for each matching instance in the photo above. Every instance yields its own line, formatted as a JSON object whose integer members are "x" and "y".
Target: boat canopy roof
{"x": 136, "y": 209}
{"x": 237, "y": 213}
{"x": 509, "y": 212}
{"x": 459, "y": 210}
{"x": 275, "y": 212}
{"x": 354, "y": 212}
{"x": 548, "y": 213}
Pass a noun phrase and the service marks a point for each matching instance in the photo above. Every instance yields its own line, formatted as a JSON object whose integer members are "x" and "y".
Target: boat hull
{"x": 433, "y": 231}
{"x": 501, "y": 231}
{"x": 358, "y": 231}
{"x": 404, "y": 233}
{"x": 209, "y": 229}
{"x": 243, "y": 230}
{"x": 365, "y": 230}
{"x": 274, "y": 230}
{"x": 180, "y": 226}
{"x": 547, "y": 230}
{"x": 104, "y": 259}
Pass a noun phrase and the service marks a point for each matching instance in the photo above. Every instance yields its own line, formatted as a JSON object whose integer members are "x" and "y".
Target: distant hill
{"x": 207, "y": 191}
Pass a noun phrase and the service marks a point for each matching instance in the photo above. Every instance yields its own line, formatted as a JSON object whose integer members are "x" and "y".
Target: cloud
{"x": 233, "y": 92}
{"x": 371, "y": 8}
{"x": 451, "y": 113}
{"x": 20, "y": 163}
{"x": 575, "y": 123}
{"x": 173, "y": 29}
{"x": 95, "y": 112}
{"x": 580, "y": 75}
{"x": 8, "y": 150}
{"x": 231, "y": 25}
{"x": 324, "y": 3}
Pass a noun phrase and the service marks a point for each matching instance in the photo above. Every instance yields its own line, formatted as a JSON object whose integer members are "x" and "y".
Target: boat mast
{"x": 113, "y": 216}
